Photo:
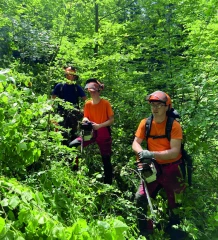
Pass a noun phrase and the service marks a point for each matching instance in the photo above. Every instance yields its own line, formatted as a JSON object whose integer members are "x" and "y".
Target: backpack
{"x": 187, "y": 163}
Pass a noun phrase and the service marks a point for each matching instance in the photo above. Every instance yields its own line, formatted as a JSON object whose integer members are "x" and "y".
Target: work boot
{"x": 175, "y": 233}
{"x": 145, "y": 225}
{"x": 108, "y": 170}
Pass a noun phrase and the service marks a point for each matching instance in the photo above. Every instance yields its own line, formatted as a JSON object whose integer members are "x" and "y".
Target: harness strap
{"x": 168, "y": 129}
{"x": 148, "y": 127}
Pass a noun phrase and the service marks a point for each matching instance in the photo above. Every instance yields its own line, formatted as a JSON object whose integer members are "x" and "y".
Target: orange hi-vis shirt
{"x": 160, "y": 144}
{"x": 98, "y": 113}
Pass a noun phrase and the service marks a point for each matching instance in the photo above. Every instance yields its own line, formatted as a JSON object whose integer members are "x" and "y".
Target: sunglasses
{"x": 153, "y": 105}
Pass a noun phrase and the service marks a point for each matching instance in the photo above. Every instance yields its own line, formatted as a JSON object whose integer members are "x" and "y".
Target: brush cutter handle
{"x": 142, "y": 166}
{"x": 144, "y": 163}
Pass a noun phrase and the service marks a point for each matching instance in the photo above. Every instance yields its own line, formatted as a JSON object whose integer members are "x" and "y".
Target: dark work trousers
{"x": 103, "y": 138}
{"x": 169, "y": 177}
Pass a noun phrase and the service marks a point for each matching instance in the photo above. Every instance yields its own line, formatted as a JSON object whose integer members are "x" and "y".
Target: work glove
{"x": 145, "y": 156}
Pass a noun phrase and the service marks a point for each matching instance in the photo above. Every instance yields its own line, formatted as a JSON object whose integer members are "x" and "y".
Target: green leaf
{"x": 2, "y": 224}
{"x": 99, "y": 176}
{"x": 4, "y": 202}
{"x": 216, "y": 218}
{"x": 2, "y": 77}
{"x": 56, "y": 231}
{"x": 27, "y": 196}
{"x": 11, "y": 215}
{"x": 22, "y": 146}
{"x": 80, "y": 225}
{"x": 4, "y": 99}
{"x": 20, "y": 238}
{"x": 103, "y": 225}
{"x": 120, "y": 227}
{"x": 1, "y": 87}
{"x": 9, "y": 235}
{"x": 41, "y": 220}
{"x": 39, "y": 197}
{"x": 14, "y": 201}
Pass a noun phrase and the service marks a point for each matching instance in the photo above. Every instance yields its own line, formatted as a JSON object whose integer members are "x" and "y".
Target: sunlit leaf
{"x": 4, "y": 202}
{"x": 2, "y": 224}
{"x": 14, "y": 201}
{"x": 4, "y": 99}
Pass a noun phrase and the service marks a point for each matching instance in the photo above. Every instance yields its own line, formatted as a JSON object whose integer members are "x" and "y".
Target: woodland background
{"x": 134, "y": 48}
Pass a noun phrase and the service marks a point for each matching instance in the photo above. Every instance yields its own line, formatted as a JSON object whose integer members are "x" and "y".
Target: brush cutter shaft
{"x": 147, "y": 195}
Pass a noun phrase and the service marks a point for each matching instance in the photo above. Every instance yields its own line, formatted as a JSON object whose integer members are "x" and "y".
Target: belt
{"x": 167, "y": 164}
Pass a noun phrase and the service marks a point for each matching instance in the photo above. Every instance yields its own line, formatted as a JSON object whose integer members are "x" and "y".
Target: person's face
{"x": 70, "y": 74}
{"x": 93, "y": 89}
{"x": 158, "y": 109}
{"x": 94, "y": 93}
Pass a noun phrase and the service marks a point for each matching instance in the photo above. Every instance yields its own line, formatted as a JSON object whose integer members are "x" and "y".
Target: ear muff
{"x": 101, "y": 86}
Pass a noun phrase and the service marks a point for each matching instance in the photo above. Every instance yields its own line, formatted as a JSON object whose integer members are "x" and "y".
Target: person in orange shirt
{"x": 99, "y": 112}
{"x": 167, "y": 155}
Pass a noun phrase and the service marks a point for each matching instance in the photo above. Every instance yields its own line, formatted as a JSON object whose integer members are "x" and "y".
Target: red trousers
{"x": 103, "y": 138}
{"x": 169, "y": 177}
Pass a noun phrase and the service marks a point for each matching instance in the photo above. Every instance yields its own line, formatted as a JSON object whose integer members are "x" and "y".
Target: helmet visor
{"x": 92, "y": 87}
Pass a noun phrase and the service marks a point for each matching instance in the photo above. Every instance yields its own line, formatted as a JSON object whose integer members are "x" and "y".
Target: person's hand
{"x": 96, "y": 126}
{"x": 145, "y": 164}
{"x": 139, "y": 165}
{"x": 145, "y": 154}
{"x": 85, "y": 119}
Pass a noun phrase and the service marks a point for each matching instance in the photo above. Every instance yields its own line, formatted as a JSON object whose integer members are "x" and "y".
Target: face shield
{"x": 92, "y": 87}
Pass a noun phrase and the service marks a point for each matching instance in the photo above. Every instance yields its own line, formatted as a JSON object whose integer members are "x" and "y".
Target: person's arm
{"x": 53, "y": 96}
{"x": 136, "y": 145}
{"x": 109, "y": 122}
{"x": 139, "y": 137}
{"x": 81, "y": 92}
{"x": 56, "y": 91}
{"x": 173, "y": 152}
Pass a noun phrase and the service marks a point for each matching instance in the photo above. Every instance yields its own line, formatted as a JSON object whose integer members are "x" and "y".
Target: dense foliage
{"x": 134, "y": 47}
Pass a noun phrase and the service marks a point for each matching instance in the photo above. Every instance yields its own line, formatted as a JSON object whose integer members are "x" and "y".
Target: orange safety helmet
{"x": 159, "y": 96}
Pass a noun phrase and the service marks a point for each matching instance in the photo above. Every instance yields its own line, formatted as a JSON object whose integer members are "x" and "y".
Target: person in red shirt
{"x": 99, "y": 112}
{"x": 167, "y": 155}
